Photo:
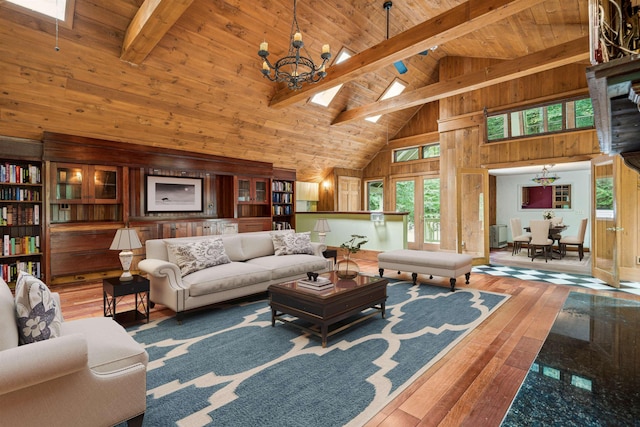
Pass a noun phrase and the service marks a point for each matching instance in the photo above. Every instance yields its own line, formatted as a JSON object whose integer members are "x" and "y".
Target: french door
{"x": 605, "y": 244}
{"x": 420, "y": 197}
{"x": 473, "y": 214}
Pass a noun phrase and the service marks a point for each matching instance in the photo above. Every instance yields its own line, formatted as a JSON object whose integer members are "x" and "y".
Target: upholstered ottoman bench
{"x": 445, "y": 264}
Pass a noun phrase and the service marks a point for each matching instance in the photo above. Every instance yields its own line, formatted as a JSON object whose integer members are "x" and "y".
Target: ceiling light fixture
{"x": 294, "y": 69}
{"x": 545, "y": 179}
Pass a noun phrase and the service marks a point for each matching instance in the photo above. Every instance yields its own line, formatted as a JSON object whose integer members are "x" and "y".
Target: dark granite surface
{"x": 588, "y": 370}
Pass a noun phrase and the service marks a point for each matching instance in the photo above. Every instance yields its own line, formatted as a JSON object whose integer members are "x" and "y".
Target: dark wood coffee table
{"x": 327, "y": 307}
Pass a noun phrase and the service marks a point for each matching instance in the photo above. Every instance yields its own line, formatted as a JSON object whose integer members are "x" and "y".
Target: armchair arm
{"x": 163, "y": 269}
{"x": 35, "y": 363}
{"x": 318, "y": 248}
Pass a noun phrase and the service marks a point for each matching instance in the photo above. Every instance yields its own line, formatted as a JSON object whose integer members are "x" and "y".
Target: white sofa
{"x": 253, "y": 267}
{"x": 93, "y": 374}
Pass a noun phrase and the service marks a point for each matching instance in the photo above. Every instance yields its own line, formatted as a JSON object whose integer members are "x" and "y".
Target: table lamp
{"x": 125, "y": 240}
{"x": 322, "y": 227}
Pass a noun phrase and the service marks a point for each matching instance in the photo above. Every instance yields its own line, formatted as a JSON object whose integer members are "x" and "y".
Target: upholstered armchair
{"x": 92, "y": 374}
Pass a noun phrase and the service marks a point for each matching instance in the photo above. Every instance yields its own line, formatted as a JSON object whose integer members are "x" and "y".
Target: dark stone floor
{"x": 588, "y": 370}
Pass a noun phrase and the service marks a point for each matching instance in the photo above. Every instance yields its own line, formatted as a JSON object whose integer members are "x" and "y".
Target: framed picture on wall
{"x": 173, "y": 194}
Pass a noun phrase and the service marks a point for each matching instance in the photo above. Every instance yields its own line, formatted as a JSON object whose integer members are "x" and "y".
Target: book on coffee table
{"x": 317, "y": 285}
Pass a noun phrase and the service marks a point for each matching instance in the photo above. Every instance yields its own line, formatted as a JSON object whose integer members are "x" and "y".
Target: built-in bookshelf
{"x": 21, "y": 195}
{"x": 282, "y": 204}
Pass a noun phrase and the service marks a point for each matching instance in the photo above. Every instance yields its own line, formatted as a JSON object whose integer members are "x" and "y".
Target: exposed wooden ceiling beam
{"x": 151, "y": 23}
{"x": 568, "y": 53}
{"x": 456, "y": 22}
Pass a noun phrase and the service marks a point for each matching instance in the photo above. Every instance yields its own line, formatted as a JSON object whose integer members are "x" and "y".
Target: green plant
{"x": 353, "y": 245}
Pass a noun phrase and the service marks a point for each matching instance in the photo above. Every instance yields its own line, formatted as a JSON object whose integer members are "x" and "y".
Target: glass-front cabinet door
{"x": 253, "y": 190}
{"x": 105, "y": 184}
{"x": 69, "y": 183}
{"x": 244, "y": 190}
{"x": 86, "y": 184}
{"x": 262, "y": 191}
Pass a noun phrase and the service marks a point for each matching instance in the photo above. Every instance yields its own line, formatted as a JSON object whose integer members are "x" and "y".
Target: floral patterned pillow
{"x": 197, "y": 255}
{"x": 38, "y": 314}
{"x": 292, "y": 243}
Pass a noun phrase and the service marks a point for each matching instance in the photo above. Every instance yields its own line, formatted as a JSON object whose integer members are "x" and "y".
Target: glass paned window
{"x": 554, "y": 117}
{"x": 546, "y": 118}
{"x": 375, "y": 195}
{"x": 533, "y": 121}
{"x": 497, "y": 127}
{"x": 584, "y": 113}
{"x": 430, "y": 151}
{"x": 406, "y": 154}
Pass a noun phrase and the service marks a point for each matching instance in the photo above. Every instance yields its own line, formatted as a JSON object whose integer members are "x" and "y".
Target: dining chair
{"x": 556, "y": 221}
{"x": 577, "y": 240}
{"x": 540, "y": 244}
{"x": 518, "y": 236}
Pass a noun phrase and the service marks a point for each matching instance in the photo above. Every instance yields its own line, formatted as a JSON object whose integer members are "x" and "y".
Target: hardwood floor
{"x": 473, "y": 384}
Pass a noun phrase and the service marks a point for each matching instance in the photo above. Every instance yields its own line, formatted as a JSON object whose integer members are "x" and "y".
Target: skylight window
{"x": 51, "y": 8}
{"x": 325, "y": 97}
{"x": 395, "y": 89}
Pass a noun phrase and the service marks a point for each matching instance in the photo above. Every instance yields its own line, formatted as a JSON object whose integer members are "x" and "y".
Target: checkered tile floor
{"x": 555, "y": 278}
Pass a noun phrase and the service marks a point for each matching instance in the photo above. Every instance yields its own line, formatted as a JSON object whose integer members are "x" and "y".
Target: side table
{"x": 114, "y": 290}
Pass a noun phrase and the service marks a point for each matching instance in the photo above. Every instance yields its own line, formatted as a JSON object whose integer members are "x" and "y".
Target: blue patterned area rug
{"x": 230, "y": 367}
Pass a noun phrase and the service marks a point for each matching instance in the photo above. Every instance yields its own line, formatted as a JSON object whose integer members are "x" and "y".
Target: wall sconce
{"x": 326, "y": 185}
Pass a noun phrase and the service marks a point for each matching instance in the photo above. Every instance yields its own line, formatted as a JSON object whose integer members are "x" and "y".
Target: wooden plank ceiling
{"x": 186, "y": 74}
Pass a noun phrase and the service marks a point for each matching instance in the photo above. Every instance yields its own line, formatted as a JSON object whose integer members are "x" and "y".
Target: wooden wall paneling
{"x": 448, "y": 211}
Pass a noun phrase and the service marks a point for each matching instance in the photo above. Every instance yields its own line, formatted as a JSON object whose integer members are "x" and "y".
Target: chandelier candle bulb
{"x": 325, "y": 48}
{"x": 297, "y": 37}
{"x": 264, "y": 46}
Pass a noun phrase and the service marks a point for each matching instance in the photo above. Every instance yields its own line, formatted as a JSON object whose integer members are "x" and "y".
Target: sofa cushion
{"x": 233, "y": 247}
{"x": 292, "y": 243}
{"x": 109, "y": 345}
{"x": 223, "y": 277}
{"x": 257, "y": 244}
{"x": 38, "y": 314}
{"x": 196, "y": 255}
{"x": 8, "y": 325}
{"x": 290, "y": 265}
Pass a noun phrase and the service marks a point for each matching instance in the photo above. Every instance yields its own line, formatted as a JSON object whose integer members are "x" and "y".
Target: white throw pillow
{"x": 292, "y": 243}
{"x": 197, "y": 255}
{"x": 39, "y": 317}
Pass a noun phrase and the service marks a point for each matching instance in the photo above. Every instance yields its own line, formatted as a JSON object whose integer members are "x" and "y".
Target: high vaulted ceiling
{"x": 185, "y": 73}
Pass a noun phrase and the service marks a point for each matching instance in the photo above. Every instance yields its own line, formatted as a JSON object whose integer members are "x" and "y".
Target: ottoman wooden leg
{"x": 414, "y": 276}
{"x": 452, "y": 281}
{"x": 466, "y": 276}
{"x": 381, "y": 271}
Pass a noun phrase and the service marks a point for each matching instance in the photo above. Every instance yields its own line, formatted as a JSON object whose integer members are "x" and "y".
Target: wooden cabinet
{"x": 562, "y": 196}
{"x": 252, "y": 190}
{"x": 85, "y": 193}
{"x": 282, "y": 204}
{"x": 75, "y": 183}
{"x": 252, "y": 198}
{"x": 21, "y": 195}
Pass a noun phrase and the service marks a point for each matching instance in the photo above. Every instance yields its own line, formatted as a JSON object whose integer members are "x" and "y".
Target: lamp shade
{"x": 125, "y": 239}
{"x": 322, "y": 226}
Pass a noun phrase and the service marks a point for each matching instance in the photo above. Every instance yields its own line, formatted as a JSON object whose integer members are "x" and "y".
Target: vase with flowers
{"x": 348, "y": 268}
{"x": 548, "y": 214}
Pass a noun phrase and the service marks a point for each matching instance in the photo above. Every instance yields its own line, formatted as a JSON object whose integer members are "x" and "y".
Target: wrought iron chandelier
{"x": 294, "y": 69}
{"x": 545, "y": 179}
